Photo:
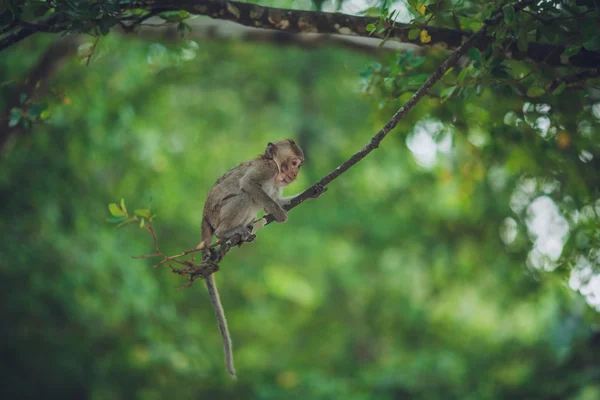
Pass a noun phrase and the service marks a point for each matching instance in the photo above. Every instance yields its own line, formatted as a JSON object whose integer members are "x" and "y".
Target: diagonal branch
{"x": 209, "y": 265}
{"x": 374, "y": 142}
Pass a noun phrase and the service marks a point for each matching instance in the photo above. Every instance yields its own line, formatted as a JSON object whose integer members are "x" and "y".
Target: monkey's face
{"x": 289, "y": 158}
{"x": 289, "y": 167}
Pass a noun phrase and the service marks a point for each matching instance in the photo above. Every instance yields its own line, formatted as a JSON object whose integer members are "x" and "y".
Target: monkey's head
{"x": 289, "y": 158}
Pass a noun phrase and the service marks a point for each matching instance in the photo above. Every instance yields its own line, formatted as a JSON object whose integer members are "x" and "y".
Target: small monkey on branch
{"x": 233, "y": 203}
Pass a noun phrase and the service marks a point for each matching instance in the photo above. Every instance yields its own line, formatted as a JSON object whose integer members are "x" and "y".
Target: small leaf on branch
{"x": 447, "y": 93}
{"x": 370, "y": 27}
{"x": 462, "y": 75}
{"x": 592, "y": 44}
{"x": 417, "y": 80}
{"x": 115, "y": 210}
{"x": 143, "y": 213}
{"x": 571, "y": 51}
{"x": 425, "y": 37}
{"x": 15, "y": 117}
{"x": 509, "y": 15}
{"x": 559, "y": 89}
{"x": 116, "y": 219}
{"x": 474, "y": 54}
{"x": 142, "y": 223}
{"x": 182, "y": 27}
{"x": 127, "y": 221}
{"x": 35, "y": 111}
{"x": 174, "y": 16}
{"x": 413, "y": 33}
{"x": 471, "y": 24}
{"x": 123, "y": 208}
{"x": 522, "y": 42}
{"x": 535, "y": 91}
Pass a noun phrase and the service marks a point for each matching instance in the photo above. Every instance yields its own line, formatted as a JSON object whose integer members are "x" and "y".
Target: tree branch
{"x": 49, "y": 24}
{"x": 301, "y": 21}
{"x": 573, "y": 79}
{"x": 224, "y": 31}
{"x": 210, "y": 262}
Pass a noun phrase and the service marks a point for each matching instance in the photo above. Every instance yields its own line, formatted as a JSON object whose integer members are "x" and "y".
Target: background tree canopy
{"x": 460, "y": 260}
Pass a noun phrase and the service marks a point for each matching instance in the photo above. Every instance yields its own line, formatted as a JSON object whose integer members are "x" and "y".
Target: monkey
{"x": 233, "y": 203}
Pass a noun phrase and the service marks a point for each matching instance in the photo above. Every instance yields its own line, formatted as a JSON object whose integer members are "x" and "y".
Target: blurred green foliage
{"x": 422, "y": 272}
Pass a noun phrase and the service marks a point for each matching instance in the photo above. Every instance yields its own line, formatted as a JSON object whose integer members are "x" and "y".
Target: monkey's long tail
{"x": 222, "y": 322}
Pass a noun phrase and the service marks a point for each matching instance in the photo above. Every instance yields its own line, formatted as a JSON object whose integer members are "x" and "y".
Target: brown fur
{"x": 235, "y": 199}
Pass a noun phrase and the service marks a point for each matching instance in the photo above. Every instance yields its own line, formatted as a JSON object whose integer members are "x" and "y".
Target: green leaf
{"x": 446, "y": 93}
{"x": 463, "y": 75}
{"x": 371, "y": 27}
{"x": 499, "y": 71}
{"x": 371, "y": 12}
{"x": 559, "y": 89}
{"x": 522, "y": 41}
{"x": 474, "y": 54}
{"x": 471, "y": 24}
{"x": 181, "y": 29}
{"x": 413, "y": 33}
{"x": 15, "y": 117}
{"x": 142, "y": 223}
{"x": 592, "y": 44}
{"x": 115, "y": 210}
{"x": 116, "y": 219}
{"x": 127, "y": 221}
{"x": 571, "y": 51}
{"x": 417, "y": 80}
{"x": 36, "y": 110}
{"x": 536, "y": 91}
{"x": 143, "y": 213}
{"x": 171, "y": 16}
{"x": 123, "y": 208}
{"x": 509, "y": 15}
{"x": 113, "y": 7}
{"x": 106, "y": 22}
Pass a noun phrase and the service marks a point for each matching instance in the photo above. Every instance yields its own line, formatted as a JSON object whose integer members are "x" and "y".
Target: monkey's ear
{"x": 271, "y": 150}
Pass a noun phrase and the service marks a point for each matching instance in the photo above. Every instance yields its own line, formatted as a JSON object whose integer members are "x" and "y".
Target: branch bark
{"x": 225, "y": 31}
{"x": 300, "y": 21}
{"x": 374, "y": 142}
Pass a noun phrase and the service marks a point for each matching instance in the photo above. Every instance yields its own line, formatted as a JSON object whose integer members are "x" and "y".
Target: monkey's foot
{"x": 210, "y": 255}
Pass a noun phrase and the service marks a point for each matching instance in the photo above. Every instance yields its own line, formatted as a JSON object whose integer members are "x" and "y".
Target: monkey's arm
{"x": 319, "y": 190}
{"x": 251, "y": 183}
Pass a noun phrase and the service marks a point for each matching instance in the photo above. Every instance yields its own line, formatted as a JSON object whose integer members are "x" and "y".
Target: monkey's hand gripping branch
{"x": 210, "y": 264}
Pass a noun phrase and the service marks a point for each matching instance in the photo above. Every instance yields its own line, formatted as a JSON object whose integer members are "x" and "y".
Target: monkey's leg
{"x": 236, "y": 218}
